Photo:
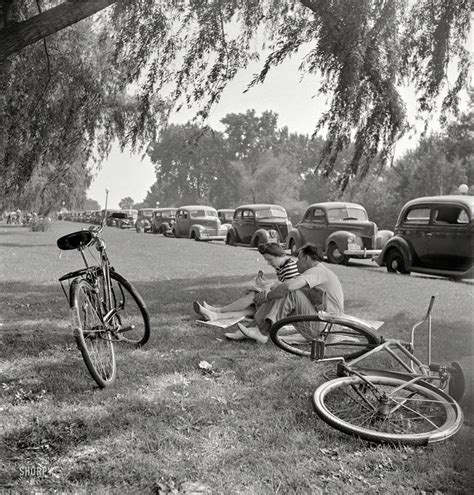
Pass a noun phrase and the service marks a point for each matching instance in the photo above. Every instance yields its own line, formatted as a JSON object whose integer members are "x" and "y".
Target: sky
{"x": 286, "y": 92}
{"x": 294, "y": 99}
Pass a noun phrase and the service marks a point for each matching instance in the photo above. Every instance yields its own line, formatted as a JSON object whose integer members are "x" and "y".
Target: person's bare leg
{"x": 212, "y": 315}
{"x": 243, "y": 303}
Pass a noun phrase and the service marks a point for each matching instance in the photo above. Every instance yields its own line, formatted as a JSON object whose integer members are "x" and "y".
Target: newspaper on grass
{"x": 221, "y": 323}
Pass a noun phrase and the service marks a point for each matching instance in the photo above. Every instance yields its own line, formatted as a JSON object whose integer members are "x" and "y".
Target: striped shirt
{"x": 287, "y": 271}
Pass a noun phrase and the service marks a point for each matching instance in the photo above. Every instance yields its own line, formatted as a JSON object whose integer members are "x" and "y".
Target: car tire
{"x": 395, "y": 262}
{"x": 175, "y": 234}
{"x": 292, "y": 246}
{"x": 140, "y": 229}
{"x": 335, "y": 255}
{"x": 230, "y": 238}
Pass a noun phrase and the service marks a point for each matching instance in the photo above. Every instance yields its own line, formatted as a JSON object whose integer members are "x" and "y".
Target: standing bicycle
{"x": 105, "y": 308}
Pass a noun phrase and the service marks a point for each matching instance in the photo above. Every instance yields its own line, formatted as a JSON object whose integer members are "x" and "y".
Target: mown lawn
{"x": 168, "y": 426}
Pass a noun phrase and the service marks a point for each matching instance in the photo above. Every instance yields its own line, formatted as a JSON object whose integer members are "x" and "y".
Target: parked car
{"x": 226, "y": 215}
{"x": 143, "y": 222}
{"x": 342, "y": 230}
{"x": 199, "y": 223}
{"x": 162, "y": 220}
{"x": 433, "y": 235}
{"x": 119, "y": 219}
{"x": 257, "y": 224}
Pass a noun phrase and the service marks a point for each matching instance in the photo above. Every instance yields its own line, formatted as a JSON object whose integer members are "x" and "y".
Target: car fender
{"x": 340, "y": 239}
{"x": 293, "y": 235}
{"x": 196, "y": 229}
{"x": 226, "y": 227}
{"x": 396, "y": 243}
{"x": 232, "y": 231}
{"x": 382, "y": 237}
{"x": 265, "y": 236}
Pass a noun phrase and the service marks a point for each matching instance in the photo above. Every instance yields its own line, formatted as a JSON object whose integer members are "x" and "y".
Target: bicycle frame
{"x": 403, "y": 353}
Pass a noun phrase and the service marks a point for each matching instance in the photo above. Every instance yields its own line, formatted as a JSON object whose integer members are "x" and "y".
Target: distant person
{"x": 299, "y": 296}
{"x": 285, "y": 268}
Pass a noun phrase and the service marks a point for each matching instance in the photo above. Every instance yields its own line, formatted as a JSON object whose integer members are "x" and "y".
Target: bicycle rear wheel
{"x": 342, "y": 336}
{"x": 386, "y": 409}
{"x": 130, "y": 320}
{"x": 92, "y": 337}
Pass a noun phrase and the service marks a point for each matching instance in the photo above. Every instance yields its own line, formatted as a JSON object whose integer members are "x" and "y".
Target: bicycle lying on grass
{"x": 105, "y": 307}
{"x": 408, "y": 407}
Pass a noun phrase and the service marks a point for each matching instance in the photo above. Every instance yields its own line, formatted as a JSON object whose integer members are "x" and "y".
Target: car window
{"x": 347, "y": 213}
{"x": 450, "y": 215}
{"x": 210, "y": 213}
{"x": 418, "y": 216}
{"x": 247, "y": 214}
{"x": 271, "y": 213}
{"x": 463, "y": 217}
{"x": 308, "y": 216}
{"x": 318, "y": 215}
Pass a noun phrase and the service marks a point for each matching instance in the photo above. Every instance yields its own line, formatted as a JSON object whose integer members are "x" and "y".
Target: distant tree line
{"x": 253, "y": 161}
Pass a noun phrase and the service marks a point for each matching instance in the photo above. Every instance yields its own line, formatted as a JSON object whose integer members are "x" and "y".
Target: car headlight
{"x": 351, "y": 238}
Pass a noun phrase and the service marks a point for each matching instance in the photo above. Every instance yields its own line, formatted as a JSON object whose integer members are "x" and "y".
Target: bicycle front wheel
{"x": 92, "y": 337}
{"x": 130, "y": 319}
{"x": 387, "y": 409}
{"x": 342, "y": 337}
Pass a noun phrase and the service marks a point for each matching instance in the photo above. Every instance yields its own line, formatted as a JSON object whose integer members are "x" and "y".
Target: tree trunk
{"x": 17, "y": 36}
{"x": 4, "y": 70}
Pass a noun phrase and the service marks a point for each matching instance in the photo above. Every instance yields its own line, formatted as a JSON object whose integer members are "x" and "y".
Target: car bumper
{"x": 362, "y": 253}
{"x": 204, "y": 236}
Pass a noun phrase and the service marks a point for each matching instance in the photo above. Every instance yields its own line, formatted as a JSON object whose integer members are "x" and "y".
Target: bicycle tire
{"x": 93, "y": 339}
{"x": 388, "y": 409}
{"x": 132, "y": 320}
{"x": 350, "y": 338}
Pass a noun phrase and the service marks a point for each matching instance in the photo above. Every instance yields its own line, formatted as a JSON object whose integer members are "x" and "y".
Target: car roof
{"x": 262, "y": 206}
{"x": 226, "y": 210}
{"x": 196, "y": 207}
{"x": 167, "y": 208}
{"x": 454, "y": 198}
{"x": 335, "y": 204}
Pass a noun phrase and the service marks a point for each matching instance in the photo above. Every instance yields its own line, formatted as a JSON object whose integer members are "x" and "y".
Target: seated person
{"x": 298, "y": 296}
{"x": 285, "y": 268}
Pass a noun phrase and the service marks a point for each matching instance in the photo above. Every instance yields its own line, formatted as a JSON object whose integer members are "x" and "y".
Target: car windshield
{"x": 271, "y": 213}
{"x": 228, "y": 216}
{"x": 119, "y": 215}
{"x": 203, "y": 213}
{"x": 169, "y": 213}
{"x": 346, "y": 213}
{"x": 145, "y": 213}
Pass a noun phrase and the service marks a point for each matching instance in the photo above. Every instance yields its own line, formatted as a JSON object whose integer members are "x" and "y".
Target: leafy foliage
{"x": 126, "y": 203}
{"x": 363, "y": 49}
{"x": 72, "y": 93}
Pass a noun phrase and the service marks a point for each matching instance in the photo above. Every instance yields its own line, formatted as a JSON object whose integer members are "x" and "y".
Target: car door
{"x": 449, "y": 244}
{"x": 305, "y": 227}
{"x": 320, "y": 231}
{"x": 416, "y": 230}
{"x": 247, "y": 226}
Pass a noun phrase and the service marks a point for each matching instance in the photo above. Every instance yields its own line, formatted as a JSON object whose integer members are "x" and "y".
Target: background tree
{"x": 91, "y": 204}
{"x": 126, "y": 203}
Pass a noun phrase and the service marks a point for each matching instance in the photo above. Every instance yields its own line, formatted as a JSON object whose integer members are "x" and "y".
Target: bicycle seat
{"x": 75, "y": 240}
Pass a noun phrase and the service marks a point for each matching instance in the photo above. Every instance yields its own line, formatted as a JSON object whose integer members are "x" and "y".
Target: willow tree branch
{"x": 22, "y": 34}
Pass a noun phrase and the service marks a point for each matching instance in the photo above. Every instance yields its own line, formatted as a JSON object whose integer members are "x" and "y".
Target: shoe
{"x": 199, "y": 310}
{"x": 197, "y": 307}
{"x": 209, "y": 307}
{"x": 237, "y": 335}
{"x": 253, "y": 333}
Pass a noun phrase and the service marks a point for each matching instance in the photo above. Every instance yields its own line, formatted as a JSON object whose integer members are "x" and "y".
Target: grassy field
{"x": 168, "y": 426}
